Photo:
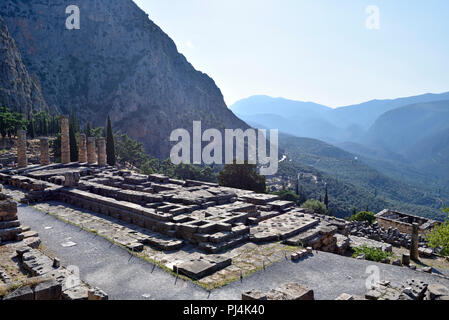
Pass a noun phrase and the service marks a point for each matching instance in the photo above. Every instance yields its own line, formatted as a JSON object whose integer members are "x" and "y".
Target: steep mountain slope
{"x": 118, "y": 62}
{"x": 401, "y": 128}
{"x": 431, "y": 154}
{"x": 18, "y": 90}
{"x": 397, "y": 167}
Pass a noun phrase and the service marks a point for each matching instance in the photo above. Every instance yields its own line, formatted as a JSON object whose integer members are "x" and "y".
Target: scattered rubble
{"x": 410, "y": 290}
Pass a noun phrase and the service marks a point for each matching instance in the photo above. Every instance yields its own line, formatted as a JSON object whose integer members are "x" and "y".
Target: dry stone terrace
{"x": 196, "y": 229}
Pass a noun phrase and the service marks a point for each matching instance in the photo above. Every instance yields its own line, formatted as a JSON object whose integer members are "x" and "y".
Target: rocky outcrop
{"x": 18, "y": 90}
{"x": 118, "y": 62}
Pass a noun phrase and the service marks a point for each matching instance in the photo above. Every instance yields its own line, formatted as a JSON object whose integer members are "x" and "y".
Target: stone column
{"x": 414, "y": 253}
{"x": 22, "y": 149}
{"x": 102, "y": 152}
{"x": 91, "y": 156}
{"x": 65, "y": 140}
{"x": 82, "y": 154}
{"x": 45, "y": 157}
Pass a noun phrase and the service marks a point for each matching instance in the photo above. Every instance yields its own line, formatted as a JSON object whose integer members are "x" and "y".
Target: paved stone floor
{"x": 246, "y": 258}
{"x": 124, "y": 276}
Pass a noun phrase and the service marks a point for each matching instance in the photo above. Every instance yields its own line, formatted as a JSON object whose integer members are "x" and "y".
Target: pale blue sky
{"x": 312, "y": 50}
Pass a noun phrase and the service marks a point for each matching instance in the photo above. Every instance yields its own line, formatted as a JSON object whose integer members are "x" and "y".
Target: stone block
{"x": 345, "y": 297}
{"x": 199, "y": 268}
{"x": 97, "y": 294}
{"x": 253, "y": 295}
{"x": 436, "y": 290}
{"x": 291, "y": 291}
{"x": 49, "y": 290}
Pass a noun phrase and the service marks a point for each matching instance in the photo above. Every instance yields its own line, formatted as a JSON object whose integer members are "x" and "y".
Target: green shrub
{"x": 363, "y": 216}
{"x": 372, "y": 254}
{"x": 287, "y": 195}
{"x": 439, "y": 237}
{"x": 315, "y": 205}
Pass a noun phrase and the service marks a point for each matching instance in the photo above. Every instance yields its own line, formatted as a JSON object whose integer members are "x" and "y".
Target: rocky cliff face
{"x": 118, "y": 62}
{"x": 18, "y": 90}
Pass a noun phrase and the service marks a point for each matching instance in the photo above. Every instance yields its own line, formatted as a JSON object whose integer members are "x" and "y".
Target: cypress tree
{"x": 31, "y": 129}
{"x": 110, "y": 148}
{"x": 326, "y": 199}
{"x": 72, "y": 137}
{"x": 88, "y": 130}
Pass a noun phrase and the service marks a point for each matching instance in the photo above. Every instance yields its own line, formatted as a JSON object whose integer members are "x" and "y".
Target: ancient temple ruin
{"x": 172, "y": 214}
{"x": 404, "y": 222}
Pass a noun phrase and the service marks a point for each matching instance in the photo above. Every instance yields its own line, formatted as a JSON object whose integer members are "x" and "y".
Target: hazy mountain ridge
{"x": 350, "y": 123}
{"x": 119, "y": 62}
{"x": 403, "y": 127}
{"x": 391, "y": 145}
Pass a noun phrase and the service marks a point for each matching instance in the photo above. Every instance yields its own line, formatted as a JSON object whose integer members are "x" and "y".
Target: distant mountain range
{"x": 307, "y": 119}
{"x": 399, "y": 148}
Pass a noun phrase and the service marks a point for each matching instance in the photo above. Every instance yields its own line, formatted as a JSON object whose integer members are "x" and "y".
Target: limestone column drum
{"x": 82, "y": 154}
{"x": 91, "y": 154}
{"x": 102, "y": 152}
{"x": 45, "y": 156}
{"x": 65, "y": 140}
{"x": 22, "y": 149}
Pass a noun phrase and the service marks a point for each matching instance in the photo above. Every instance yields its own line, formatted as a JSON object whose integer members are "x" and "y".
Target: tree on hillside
{"x": 315, "y": 205}
{"x": 439, "y": 237}
{"x": 87, "y": 130}
{"x": 363, "y": 216}
{"x": 10, "y": 122}
{"x": 31, "y": 129}
{"x": 129, "y": 150}
{"x": 242, "y": 176}
{"x": 287, "y": 195}
{"x": 97, "y": 133}
{"x": 110, "y": 148}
